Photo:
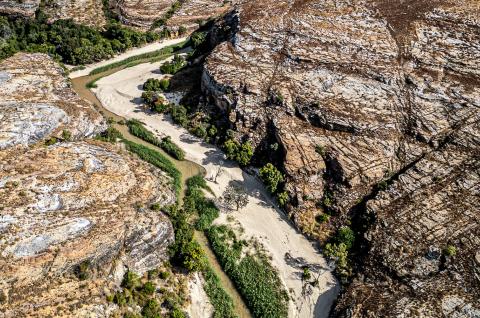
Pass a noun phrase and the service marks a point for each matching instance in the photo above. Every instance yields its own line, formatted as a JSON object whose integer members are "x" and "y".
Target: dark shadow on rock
{"x": 301, "y": 263}
{"x": 137, "y": 101}
{"x": 324, "y": 302}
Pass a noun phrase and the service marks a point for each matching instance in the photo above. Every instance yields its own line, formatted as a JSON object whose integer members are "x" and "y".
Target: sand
{"x": 290, "y": 251}
{"x": 200, "y": 305}
{"x": 132, "y": 52}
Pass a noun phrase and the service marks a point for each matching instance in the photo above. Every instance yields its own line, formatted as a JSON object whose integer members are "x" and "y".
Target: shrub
{"x": 339, "y": 252}
{"x": 130, "y": 280}
{"x": 51, "y": 141}
{"x": 164, "y": 275}
{"x": 153, "y": 85}
{"x": 346, "y": 236}
{"x": 283, "y": 198}
{"x": 148, "y": 288}
{"x": 200, "y": 130}
{"x": 450, "y": 250}
{"x": 174, "y": 66}
{"x": 271, "y": 177}
{"x": 109, "y": 135}
{"x": 306, "y": 275}
{"x": 66, "y": 135}
{"x": 320, "y": 150}
{"x": 172, "y": 149}
{"x": 81, "y": 271}
{"x": 179, "y": 115}
{"x": 151, "y": 309}
{"x": 182, "y": 30}
{"x": 322, "y": 218}
{"x": 242, "y": 153}
{"x": 198, "y": 38}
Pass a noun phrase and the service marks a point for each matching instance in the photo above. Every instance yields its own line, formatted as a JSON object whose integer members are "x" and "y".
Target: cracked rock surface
{"x": 40, "y": 104}
{"x": 377, "y": 105}
{"x": 74, "y": 215}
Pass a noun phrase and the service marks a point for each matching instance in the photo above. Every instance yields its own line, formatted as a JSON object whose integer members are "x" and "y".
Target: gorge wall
{"x": 74, "y": 215}
{"x": 375, "y": 105}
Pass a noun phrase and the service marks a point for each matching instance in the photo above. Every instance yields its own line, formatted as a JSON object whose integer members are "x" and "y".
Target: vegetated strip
{"x": 255, "y": 278}
{"x": 168, "y": 50}
{"x": 186, "y": 250}
{"x": 137, "y": 129}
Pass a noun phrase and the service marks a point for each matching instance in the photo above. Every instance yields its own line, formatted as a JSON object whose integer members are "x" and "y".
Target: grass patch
{"x": 256, "y": 280}
{"x": 137, "y": 129}
{"x": 137, "y": 59}
{"x": 195, "y": 202}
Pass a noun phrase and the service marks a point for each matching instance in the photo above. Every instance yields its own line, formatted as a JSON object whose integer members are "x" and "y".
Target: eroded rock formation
{"x": 37, "y": 102}
{"x": 73, "y": 215}
{"x": 375, "y": 105}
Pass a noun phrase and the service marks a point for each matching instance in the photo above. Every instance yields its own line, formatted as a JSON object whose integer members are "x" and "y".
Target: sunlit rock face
{"x": 375, "y": 105}
{"x": 74, "y": 216}
{"x": 72, "y": 203}
{"x": 37, "y": 103}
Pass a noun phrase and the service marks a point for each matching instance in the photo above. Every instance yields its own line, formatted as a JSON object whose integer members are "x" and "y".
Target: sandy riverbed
{"x": 120, "y": 93}
{"x": 132, "y": 52}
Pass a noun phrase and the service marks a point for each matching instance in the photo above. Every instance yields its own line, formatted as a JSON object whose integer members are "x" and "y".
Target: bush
{"x": 242, "y": 153}
{"x": 148, "y": 288}
{"x": 174, "y": 66}
{"x": 66, "y": 135}
{"x": 172, "y": 149}
{"x": 322, "y": 218}
{"x": 153, "y": 85}
{"x": 110, "y": 135}
{"x": 151, "y": 309}
{"x": 197, "y": 38}
{"x": 450, "y": 250}
{"x": 283, "y": 198}
{"x": 179, "y": 115}
{"x": 271, "y": 177}
{"x": 346, "y": 236}
{"x": 130, "y": 280}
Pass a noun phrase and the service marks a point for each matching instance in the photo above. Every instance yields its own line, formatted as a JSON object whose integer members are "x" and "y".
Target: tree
{"x": 235, "y": 196}
{"x": 242, "y": 153}
{"x": 271, "y": 177}
{"x": 218, "y": 173}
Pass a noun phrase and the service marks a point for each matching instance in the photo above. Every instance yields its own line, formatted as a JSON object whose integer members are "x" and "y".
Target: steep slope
{"x": 375, "y": 106}
{"x": 37, "y": 102}
{"x": 73, "y": 215}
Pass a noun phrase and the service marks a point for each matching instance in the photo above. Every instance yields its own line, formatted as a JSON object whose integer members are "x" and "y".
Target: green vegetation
{"x": 51, "y": 141}
{"x": 82, "y": 270}
{"x": 67, "y": 41}
{"x": 171, "y": 148}
{"x": 179, "y": 115}
{"x": 174, "y": 66}
{"x": 66, "y": 135}
{"x": 322, "y": 218}
{"x": 137, "y": 59}
{"x": 195, "y": 202}
{"x": 339, "y": 248}
{"x": 154, "y": 85}
{"x": 283, "y": 198}
{"x": 450, "y": 250}
{"x": 256, "y": 280}
{"x": 110, "y": 135}
{"x": 271, "y": 177}
{"x": 137, "y": 129}
{"x": 219, "y": 298}
{"x": 242, "y": 153}
{"x": 320, "y": 150}
{"x": 197, "y": 38}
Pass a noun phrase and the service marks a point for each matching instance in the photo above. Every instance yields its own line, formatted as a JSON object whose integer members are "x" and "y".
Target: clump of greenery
{"x": 306, "y": 275}
{"x": 67, "y": 41}
{"x": 51, "y": 141}
{"x": 174, "y": 66}
{"x": 320, "y": 150}
{"x": 153, "y": 85}
{"x": 170, "y": 12}
{"x": 197, "y": 38}
{"x": 283, "y": 198}
{"x": 109, "y": 135}
{"x": 82, "y": 270}
{"x": 339, "y": 248}
{"x": 179, "y": 115}
{"x": 450, "y": 250}
{"x": 256, "y": 280}
{"x": 171, "y": 148}
{"x": 195, "y": 202}
{"x": 271, "y": 177}
{"x": 322, "y": 218}
{"x": 242, "y": 153}
{"x": 66, "y": 135}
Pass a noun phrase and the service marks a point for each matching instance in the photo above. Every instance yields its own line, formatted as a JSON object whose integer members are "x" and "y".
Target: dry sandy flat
{"x": 200, "y": 305}
{"x": 132, "y": 52}
{"x": 120, "y": 93}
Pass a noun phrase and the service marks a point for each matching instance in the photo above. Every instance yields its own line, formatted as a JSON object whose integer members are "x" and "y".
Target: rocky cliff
{"x": 173, "y": 13}
{"x": 73, "y": 215}
{"x": 37, "y": 102}
{"x": 375, "y": 106}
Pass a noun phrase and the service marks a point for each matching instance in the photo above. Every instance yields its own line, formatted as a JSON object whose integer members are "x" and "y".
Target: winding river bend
{"x": 187, "y": 168}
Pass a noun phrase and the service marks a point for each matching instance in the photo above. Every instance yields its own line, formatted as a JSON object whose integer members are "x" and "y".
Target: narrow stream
{"x": 187, "y": 168}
